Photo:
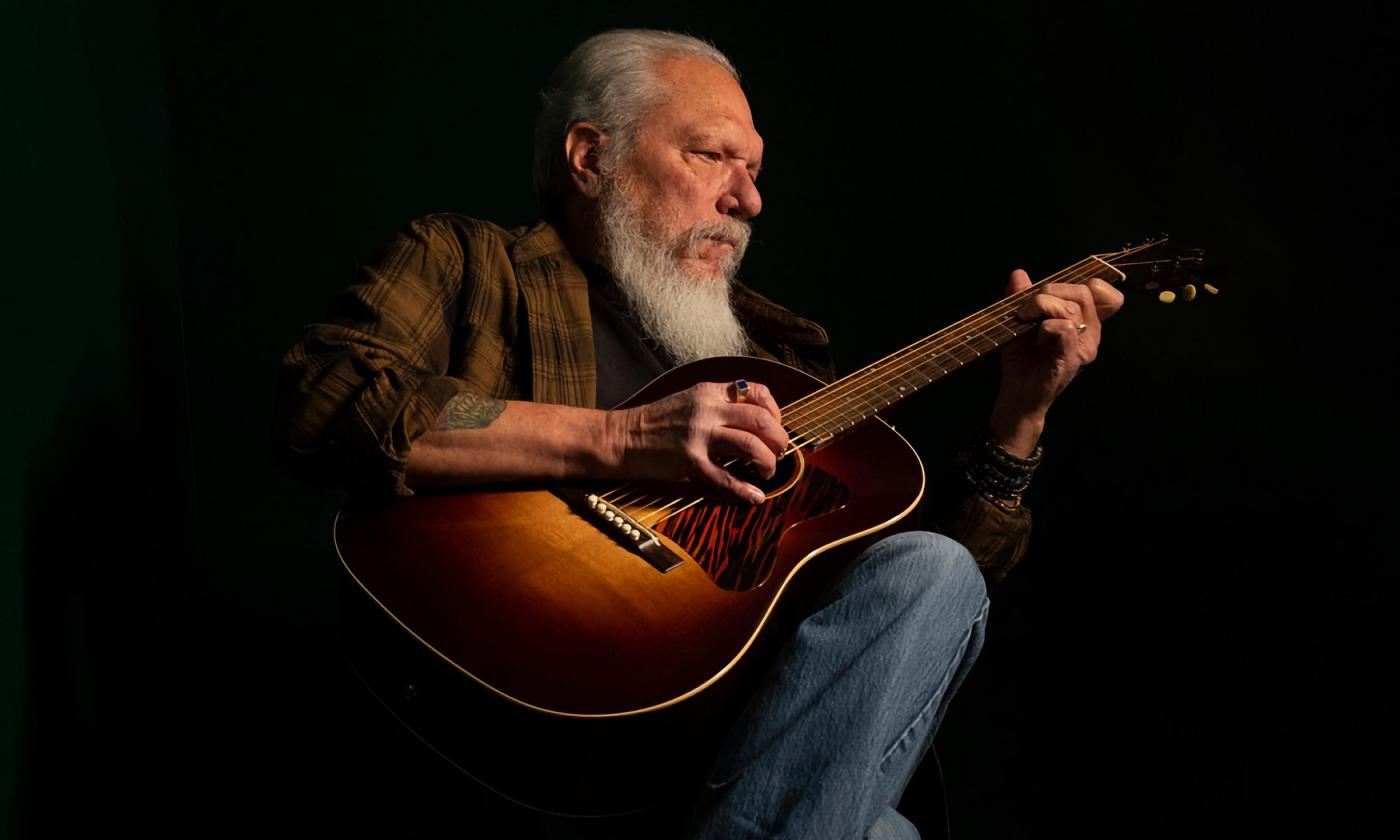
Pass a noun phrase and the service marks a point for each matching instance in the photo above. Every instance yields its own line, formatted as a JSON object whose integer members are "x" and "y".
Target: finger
{"x": 761, "y": 396}
{"x": 1107, "y": 298}
{"x": 1092, "y": 331}
{"x": 728, "y": 483}
{"x": 1088, "y": 312}
{"x": 1060, "y": 335}
{"x": 755, "y": 420}
{"x": 727, "y": 443}
{"x": 1043, "y": 305}
{"x": 1019, "y": 281}
{"x": 1096, "y": 298}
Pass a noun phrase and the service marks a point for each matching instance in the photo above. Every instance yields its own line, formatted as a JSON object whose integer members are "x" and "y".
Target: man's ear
{"x": 581, "y": 156}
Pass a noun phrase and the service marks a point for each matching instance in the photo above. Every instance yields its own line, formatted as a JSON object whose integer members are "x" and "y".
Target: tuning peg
{"x": 1167, "y": 297}
{"x": 1189, "y": 292}
{"x": 1209, "y": 288}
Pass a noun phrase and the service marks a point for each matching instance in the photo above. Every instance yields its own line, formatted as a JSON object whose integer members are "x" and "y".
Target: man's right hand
{"x": 689, "y": 434}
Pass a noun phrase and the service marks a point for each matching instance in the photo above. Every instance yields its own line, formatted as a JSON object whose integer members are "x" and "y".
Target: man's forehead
{"x": 704, "y": 97}
{"x": 707, "y": 106}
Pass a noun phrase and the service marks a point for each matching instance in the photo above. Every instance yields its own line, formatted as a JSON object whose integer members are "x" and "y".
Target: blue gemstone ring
{"x": 741, "y": 388}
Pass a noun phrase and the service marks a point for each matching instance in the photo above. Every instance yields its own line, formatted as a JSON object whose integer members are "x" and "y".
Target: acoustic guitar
{"x": 582, "y": 649}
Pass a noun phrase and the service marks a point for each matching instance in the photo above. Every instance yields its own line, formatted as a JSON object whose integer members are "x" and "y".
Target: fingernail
{"x": 755, "y": 496}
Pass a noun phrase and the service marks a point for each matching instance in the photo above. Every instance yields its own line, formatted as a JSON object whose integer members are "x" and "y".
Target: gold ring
{"x": 741, "y": 389}
{"x": 1081, "y": 328}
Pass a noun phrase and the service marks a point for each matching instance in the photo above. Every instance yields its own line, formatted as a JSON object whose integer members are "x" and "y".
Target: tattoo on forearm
{"x": 470, "y": 411}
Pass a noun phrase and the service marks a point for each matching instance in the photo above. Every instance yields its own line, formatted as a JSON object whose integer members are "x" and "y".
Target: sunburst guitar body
{"x": 518, "y": 633}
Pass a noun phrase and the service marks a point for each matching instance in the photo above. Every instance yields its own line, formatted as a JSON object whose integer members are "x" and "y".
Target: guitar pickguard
{"x": 736, "y": 544}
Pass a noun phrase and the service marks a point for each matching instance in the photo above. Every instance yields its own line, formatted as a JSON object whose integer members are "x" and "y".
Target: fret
{"x": 1003, "y": 326}
{"x": 854, "y": 399}
{"x": 932, "y": 359}
{"x": 906, "y": 386}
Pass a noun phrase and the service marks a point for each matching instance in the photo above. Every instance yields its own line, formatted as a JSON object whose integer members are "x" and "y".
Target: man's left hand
{"x": 1037, "y": 367}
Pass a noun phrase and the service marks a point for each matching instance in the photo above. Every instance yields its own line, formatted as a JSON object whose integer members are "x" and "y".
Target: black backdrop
{"x": 1197, "y": 640}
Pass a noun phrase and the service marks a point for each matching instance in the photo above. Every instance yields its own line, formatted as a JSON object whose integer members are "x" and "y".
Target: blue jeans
{"x": 830, "y": 740}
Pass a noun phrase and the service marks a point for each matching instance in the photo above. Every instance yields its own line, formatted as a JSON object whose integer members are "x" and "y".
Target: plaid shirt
{"x": 454, "y": 304}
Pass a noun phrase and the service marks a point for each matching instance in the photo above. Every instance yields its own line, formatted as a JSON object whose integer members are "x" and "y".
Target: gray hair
{"x": 609, "y": 80}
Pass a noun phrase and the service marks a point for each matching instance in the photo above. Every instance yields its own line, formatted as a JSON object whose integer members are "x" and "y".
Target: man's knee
{"x": 931, "y": 565}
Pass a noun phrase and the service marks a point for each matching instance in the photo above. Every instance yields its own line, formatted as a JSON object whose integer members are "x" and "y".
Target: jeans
{"x": 828, "y": 743}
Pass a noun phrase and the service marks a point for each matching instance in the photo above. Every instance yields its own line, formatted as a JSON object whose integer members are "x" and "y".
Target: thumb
{"x": 1019, "y": 280}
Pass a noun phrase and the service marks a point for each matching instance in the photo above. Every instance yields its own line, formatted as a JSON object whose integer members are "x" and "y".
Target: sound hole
{"x": 789, "y": 469}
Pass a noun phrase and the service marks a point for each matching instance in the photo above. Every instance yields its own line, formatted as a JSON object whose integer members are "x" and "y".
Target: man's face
{"x": 690, "y": 177}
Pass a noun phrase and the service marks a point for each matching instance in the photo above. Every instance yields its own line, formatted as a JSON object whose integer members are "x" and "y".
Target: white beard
{"x": 691, "y": 316}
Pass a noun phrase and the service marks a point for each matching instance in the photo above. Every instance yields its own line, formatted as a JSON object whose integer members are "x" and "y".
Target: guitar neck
{"x": 854, "y": 399}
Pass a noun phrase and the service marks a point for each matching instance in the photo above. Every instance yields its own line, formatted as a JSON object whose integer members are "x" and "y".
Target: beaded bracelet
{"x": 998, "y": 476}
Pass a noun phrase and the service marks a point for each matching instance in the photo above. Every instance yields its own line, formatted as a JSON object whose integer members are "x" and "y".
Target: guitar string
{"x": 977, "y": 318}
{"x": 898, "y": 362}
{"x": 802, "y": 409}
{"x": 959, "y": 332}
{"x": 805, "y": 407}
{"x": 799, "y": 410}
{"x": 876, "y": 370}
{"x": 795, "y": 409}
{"x": 880, "y": 369}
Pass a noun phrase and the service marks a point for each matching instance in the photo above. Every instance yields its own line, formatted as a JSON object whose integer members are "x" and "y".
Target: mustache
{"x": 733, "y": 231}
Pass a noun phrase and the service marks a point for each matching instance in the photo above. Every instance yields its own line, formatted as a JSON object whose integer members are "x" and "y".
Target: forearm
{"x": 479, "y": 440}
{"x": 1016, "y": 429}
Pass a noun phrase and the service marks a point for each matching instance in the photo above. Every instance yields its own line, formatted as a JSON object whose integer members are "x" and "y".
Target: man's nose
{"x": 741, "y": 200}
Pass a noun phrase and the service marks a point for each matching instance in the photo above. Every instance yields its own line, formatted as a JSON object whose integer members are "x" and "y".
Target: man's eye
{"x": 715, "y": 156}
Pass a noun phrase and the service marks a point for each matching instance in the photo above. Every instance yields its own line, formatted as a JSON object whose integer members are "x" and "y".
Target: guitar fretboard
{"x": 854, "y": 399}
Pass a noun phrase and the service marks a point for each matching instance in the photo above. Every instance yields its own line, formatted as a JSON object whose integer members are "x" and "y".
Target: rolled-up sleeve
{"x": 357, "y": 388}
{"x": 996, "y": 538}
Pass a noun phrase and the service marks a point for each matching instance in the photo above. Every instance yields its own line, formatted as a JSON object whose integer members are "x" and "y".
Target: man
{"x": 469, "y": 353}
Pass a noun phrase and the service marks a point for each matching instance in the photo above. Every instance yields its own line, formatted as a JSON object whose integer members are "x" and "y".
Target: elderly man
{"x": 470, "y": 353}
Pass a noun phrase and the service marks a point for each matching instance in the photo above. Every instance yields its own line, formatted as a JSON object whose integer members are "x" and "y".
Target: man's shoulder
{"x": 475, "y": 235}
{"x": 466, "y": 226}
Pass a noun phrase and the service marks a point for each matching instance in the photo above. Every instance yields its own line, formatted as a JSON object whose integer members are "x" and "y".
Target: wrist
{"x": 997, "y": 474}
{"x": 613, "y": 441}
{"x": 1017, "y": 432}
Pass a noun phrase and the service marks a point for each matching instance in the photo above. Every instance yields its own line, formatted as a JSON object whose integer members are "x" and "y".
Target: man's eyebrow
{"x": 714, "y": 136}
{"x": 702, "y": 134}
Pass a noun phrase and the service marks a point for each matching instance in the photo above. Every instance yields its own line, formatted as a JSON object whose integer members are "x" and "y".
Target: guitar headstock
{"x": 1163, "y": 268}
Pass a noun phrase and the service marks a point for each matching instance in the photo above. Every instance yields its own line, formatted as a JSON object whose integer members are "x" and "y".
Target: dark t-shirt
{"x": 626, "y": 359}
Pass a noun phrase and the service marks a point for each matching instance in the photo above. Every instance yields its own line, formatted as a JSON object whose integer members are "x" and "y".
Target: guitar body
{"x": 539, "y": 653}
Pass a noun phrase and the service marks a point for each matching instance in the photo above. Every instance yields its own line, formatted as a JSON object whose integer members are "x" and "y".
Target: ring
{"x": 1081, "y": 328}
{"x": 741, "y": 389}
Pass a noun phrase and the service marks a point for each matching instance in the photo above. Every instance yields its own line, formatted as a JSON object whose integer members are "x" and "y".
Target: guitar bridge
{"x": 616, "y": 523}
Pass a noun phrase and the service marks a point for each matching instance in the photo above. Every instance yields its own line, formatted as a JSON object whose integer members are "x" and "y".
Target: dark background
{"x": 1198, "y": 638}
